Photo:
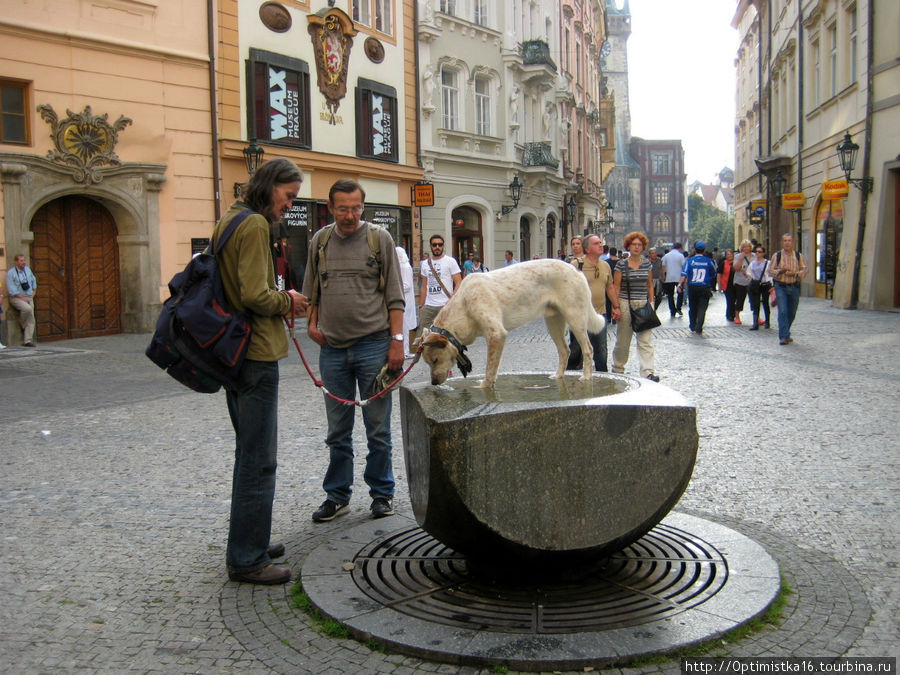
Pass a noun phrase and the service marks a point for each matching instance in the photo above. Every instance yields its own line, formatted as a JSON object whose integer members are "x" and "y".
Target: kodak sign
{"x": 835, "y": 189}
{"x": 792, "y": 200}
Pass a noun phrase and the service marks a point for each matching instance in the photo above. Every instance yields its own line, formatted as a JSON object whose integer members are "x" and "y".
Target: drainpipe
{"x": 867, "y": 148}
{"x": 800, "y": 117}
{"x": 213, "y": 107}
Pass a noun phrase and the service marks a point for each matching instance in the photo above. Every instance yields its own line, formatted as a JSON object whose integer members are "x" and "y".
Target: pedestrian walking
{"x": 600, "y": 281}
{"x": 248, "y": 277}
{"x": 699, "y": 274}
{"x": 440, "y": 277}
{"x": 758, "y": 290}
{"x": 725, "y": 271}
{"x": 634, "y": 288}
{"x": 356, "y": 317}
{"x": 672, "y": 263}
{"x": 741, "y": 281}
{"x": 787, "y": 269}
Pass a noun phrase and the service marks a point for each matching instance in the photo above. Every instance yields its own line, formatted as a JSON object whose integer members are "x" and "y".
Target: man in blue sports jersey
{"x": 699, "y": 272}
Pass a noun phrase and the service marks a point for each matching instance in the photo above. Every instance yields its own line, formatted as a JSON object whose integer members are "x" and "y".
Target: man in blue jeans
{"x": 788, "y": 268}
{"x": 356, "y": 317}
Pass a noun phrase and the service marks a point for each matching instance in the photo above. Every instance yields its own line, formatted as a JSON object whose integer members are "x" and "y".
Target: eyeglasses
{"x": 347, "y": 210}
{"x": 437, "y": 246}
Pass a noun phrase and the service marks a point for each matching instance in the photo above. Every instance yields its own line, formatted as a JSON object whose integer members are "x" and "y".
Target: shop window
{"x": 279, "y": 106}
{"x": 376, "y": 128}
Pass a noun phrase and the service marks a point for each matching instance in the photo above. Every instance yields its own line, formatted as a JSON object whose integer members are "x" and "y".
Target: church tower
{"x": 623, "y": 184}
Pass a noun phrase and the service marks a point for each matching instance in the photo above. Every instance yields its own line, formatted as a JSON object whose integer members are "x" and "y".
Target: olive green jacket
{"x": 248, "y": 276}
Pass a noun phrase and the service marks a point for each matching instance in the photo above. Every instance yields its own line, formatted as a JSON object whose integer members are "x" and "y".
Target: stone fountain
{"x": 541, "y": 536}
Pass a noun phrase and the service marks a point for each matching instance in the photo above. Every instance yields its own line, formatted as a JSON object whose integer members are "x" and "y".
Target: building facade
{"x": 511, "y": 95}
{"x": 812, "y": 74}
{"x": 105, "y": 169}
{"x": 332, "y": 88}
{"x": 125, "y": 126}
{"x": 662, "y": 212}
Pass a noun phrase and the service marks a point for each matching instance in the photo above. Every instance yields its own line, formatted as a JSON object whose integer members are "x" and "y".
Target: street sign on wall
{"x": 423, "y": 194}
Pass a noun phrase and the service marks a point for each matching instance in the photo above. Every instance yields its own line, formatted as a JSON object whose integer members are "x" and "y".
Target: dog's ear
{"x": 435, "y": 340}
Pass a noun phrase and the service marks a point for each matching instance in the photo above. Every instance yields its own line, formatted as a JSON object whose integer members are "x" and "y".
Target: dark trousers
{"x": 253, "y": 408}
{"x": 729, "y": 302}
{"x": 601, "y": 352}
{"x": 740, "y": 294}
{"x": 698, "y": 297}
{"x": 669, "y": 288}
{"x": 759, "y": 297}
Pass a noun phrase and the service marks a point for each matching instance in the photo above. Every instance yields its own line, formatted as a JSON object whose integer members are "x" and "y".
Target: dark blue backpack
{"x": 200, "y": 340}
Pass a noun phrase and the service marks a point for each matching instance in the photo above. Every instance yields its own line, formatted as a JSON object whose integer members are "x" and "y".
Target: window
{"x": 660, "y": 195}
{"x": 661, "y": 164}
{"x": 482, "y": 106}
{"x": 376, "y": 125}
{"x": 449, "y": 99}
{"x": 279, "y": 99}
{"x": 14, "y": 126}
{"x": 480, "y": 12}
{"x": 448, "y": 7}
{"x": 661, "y": 224}
{"x": 381, "y": 10}
{"x": 852, "y": 21}
{"x": 817, "y": 73}
{"x": 832, "y": 60}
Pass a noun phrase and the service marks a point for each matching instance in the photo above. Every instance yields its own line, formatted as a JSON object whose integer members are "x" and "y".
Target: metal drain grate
{"x": 666, "y": 572}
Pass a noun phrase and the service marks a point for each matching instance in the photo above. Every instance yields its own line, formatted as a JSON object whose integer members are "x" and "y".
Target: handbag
{"x": 773, "y": 299}
{"x": 643, "y": 318}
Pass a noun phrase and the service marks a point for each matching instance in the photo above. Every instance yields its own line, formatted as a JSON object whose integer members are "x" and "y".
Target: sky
{"x": 681, "y": 79}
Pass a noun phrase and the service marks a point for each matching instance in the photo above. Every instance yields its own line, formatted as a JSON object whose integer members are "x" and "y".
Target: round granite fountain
{"x": 541, "y": 537}
{"x": 545, "y": 472}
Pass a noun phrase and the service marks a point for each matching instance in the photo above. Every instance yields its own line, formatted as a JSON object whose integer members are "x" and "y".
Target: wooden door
{"x": 75, "y": 258}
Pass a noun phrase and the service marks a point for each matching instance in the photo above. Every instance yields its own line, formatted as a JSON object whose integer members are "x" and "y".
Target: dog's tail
{"x": 596, "y": 322}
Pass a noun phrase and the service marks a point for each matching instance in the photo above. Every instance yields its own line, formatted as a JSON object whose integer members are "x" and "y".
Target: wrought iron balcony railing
{"x": 539, "y": 154}
{"x": 537, "y": 52}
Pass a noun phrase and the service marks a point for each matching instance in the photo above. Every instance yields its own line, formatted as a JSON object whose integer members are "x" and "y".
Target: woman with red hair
{"x": 633, "y": 279}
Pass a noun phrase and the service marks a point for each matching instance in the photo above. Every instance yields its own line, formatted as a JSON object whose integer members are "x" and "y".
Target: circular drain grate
{"x": 666, "y": 572}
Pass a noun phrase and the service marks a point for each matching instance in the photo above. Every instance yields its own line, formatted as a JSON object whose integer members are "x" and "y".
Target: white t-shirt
{"x": 673, "y": 261}
{"x": 445, "y": 267}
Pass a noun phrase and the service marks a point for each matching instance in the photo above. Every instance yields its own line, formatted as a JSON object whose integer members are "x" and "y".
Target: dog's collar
{"x": 465, "y": 365}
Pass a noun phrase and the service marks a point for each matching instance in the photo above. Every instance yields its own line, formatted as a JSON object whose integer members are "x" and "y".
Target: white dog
{"x": 494, "y": 303}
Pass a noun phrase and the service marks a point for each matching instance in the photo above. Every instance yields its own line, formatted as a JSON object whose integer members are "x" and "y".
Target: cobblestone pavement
{"x": 115, "y": 483}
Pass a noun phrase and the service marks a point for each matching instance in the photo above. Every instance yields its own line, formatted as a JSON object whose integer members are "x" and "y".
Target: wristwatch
{"x": 397, "y": 336}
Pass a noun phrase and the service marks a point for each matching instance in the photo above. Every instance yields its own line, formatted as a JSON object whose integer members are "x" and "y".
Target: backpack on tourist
{"x": 200, "y": 340}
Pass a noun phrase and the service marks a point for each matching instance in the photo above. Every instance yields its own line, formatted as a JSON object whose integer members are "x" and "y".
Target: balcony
{"x": 536, "y": 66}
{"x": 539, "y": 154}
{"x": 537, "y": 52}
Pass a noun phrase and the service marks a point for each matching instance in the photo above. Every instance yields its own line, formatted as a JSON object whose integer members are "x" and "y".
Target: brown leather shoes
{"x": 270, "y": 575}
{"x": 275, "y": 550}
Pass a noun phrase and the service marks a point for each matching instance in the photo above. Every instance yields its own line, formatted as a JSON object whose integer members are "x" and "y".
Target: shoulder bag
{"x": 643, "y": 318}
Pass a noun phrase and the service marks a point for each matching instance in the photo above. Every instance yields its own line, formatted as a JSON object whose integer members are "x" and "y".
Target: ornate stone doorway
{"x": 75, "y": 256}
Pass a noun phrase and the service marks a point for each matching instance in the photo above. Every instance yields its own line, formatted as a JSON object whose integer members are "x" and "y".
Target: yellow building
{"x": 116, "y": 160}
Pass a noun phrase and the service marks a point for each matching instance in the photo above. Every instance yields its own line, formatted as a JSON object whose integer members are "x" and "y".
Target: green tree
{"x": 710, "y": 225}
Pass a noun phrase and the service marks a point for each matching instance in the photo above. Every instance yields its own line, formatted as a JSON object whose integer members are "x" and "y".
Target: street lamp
{"x": 252, "y": 158}
{"x": 571, "y": 206}
{"x": 515, "y": 193}
{"x": 778, "y": 184}
{"x": 847, "y": 155}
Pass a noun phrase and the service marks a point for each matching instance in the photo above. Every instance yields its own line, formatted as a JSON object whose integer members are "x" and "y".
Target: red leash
{"x": 321, "y": 385}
